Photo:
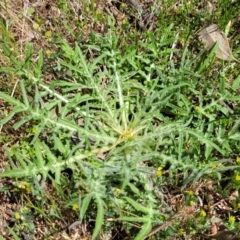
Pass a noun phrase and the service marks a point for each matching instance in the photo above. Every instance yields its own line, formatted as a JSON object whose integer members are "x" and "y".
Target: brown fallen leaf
{"x": 212, "y": 34}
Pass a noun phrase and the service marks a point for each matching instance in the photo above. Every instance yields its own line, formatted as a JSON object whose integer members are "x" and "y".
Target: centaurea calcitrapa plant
{"x": 129, "y": 122}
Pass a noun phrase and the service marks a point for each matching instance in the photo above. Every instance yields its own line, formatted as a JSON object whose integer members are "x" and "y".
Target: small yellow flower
{"x": 22, "y": 185}
{"x": 237, "y": 178}
{"x": 159, "y": 172}
{"x": 124, "y": 22}
{"x": 36, "y": 26}
{"x": 127, "y": 134}
{"x": 190, "y": 193}
{"x": 213, "y": 165}
{"x": 203, "y": 213}
{"x": 197, "y": 108}
{"x": 25, "y": 209}
{"x": 28, "y": 188}
{"x": 25, "y": 186}
{"x": 117, "y": 191}
{"x": 48, "y": 33}
{"x": 48, "y": 52}
{"x": 181, "y": 232}
{"x": 238, "y": 159}
{"x": 122, "y": 6}
{"x": 74, "y": 207}
{"x": 17, "y": 216}
{"x": 34, "y": 131}
{"x": 192, "y": 203}
{"x": 231, "y": 219}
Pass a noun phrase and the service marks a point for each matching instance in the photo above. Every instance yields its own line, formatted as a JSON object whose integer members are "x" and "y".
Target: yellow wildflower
{"x": 24, "y": 209}
{"x": 25, "y": 186}
{"x": 190, "y": 193}
{"x": 122, "y": 6}
{"x": 213, "y": 165}
{"x": 17, "y": 216}
{"x": 197, "y": 108}
{"x": 237, "y": 178}
{"x": 117, "y": 191}
{"x": 238, "y": 159}
{"x": 74, "y": 207}
{"x": 36, "y": 26}
{"x": 181, "y": 232}
{"x": 48, "y": 52}
{"x": 34, "y": 131}
{"x": 124, "y": 22}
{"x": 203, "y": 213}
{"x": 192, "y": 203}
{"x": 231, "y": 219}
{"x": 127, "y": 134}
{"x": 48, "y": 33}
{"x": 159, "y": 172}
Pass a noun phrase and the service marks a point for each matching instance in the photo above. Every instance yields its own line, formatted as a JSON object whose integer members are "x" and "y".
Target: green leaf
{"x": 18, "y": 124}
{"x": 30, "y": 11}
{"x": 11, "y": 100}
{"x": 209, "y": 58}
{"x": 59, "y": 145}
{"x": 236, "y": 83}
{"x": 134, "y": 188}
{"x": 99, "y": 219}
{"x": 38, "y": 153}
{"x": 38, "y": 69}
{"x": 134, "y": 219}
{"x": 235, "y": 136}
{"x": 137, "y": 205}
{"x": 15, "y": 110}
{"x": 15, "y": 173}
{"x": 145, "y": 230}
{"x": 69, "y": 52}
{"x": 15, "y": 237}
{"x": 24, "y": 94}
{"x": 8, "y": 52}
{"x": 28, "y": 57}
{"x": 204, "y": 140}
{"x": 85, "y": 204}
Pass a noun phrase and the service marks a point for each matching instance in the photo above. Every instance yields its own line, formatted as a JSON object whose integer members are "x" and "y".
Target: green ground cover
{"x": 116, "y": 122}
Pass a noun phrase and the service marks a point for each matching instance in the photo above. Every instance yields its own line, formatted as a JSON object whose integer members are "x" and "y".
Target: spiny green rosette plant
{"x": 129, "y": 115}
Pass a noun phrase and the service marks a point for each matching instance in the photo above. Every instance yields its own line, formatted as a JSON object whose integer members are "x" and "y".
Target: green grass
{"x": 126, "y": 124}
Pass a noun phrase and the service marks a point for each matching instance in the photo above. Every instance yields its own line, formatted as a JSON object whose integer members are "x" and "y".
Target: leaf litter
{"x": 212, "y": 34}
